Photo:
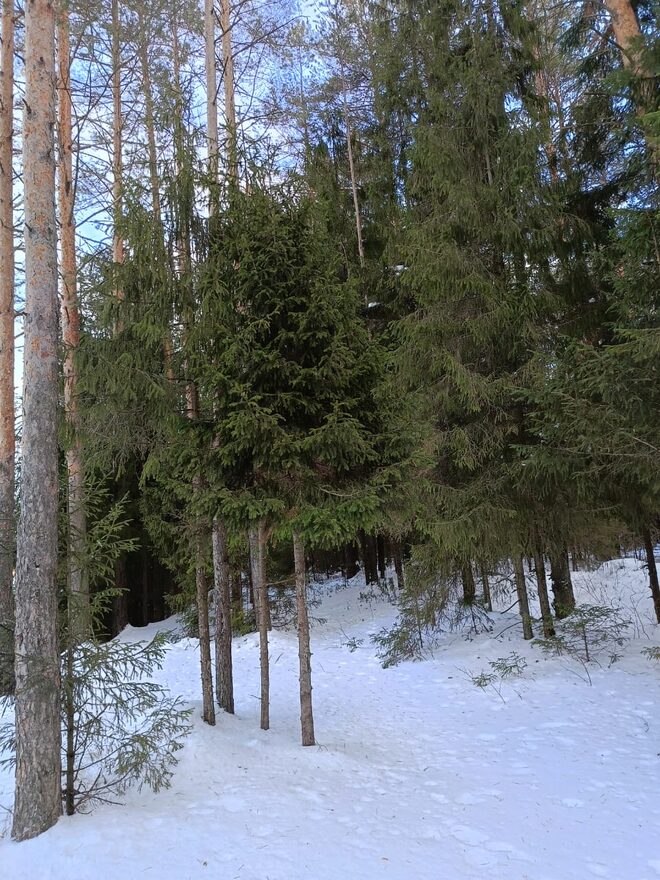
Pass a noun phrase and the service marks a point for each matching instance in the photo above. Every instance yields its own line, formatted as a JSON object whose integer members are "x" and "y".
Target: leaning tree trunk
{"x": 224, "y": 679}
{"x": 304, "y": 651}
{"x": 653, "y": 573}
{"x": 523, "y": 600}
{"x": 38, "y": 801}
{"x": 7, "y": 435}
{"x": 78, "y": 600}
{"x": 562, "y": 587}
{"x": 544, "y": 601}
{"x": 257, "y": 560}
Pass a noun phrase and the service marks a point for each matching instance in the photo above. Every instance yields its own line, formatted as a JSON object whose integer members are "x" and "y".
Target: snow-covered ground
{"x": 418, "y": 775}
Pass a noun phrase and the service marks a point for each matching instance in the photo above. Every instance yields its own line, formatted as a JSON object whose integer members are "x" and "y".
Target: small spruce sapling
{"x": 590, "y": 631}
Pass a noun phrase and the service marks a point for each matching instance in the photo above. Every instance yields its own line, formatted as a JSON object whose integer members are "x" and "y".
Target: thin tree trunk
{"x": 380, "y": 553}
{"x": 38, "y": 802}
{"x": 117, "y": 161}
{"x": 7, "y": 432}
{"x": 202, "y": 590}
{"x": 398, "y": 565}
{"x": 304, "y": 651}
{"x": 544, "y": 601}
{"x": 230, "y": 100}
{"x": 523, "y": 601}
{"x": 224, "y": 680}
{"x": 201, "y": 584}
{"x": 153, "y": 170}
{"x": 79, "y": 612}
{"x": 149, "y": 118}
{"x": 562, "y": 588}
{"x": 485, "y": 582}
{"x": 211, "y": 99}
{"x": 257, "y": 559}
{"x": 351, "y": 168}
{"x": 653, "y": 573}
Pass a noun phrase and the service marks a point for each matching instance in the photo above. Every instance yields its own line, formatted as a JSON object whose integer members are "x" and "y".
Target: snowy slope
{"x": 419, "y": 775}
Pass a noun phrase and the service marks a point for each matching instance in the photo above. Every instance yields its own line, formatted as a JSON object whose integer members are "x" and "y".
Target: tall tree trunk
{"x": 211, "y": 99}
{"x": 224, "y": 679}
{"x": 369, "y": 557}
{"x": 630, "y": 41}
{"x": 154, "y": 182}
{"x": 351, "y": 168}
{"x": 381, "y": 556}
{"x": 544, "y": 601}
{"x": 38, "y": 802}
{"x": 485, "y": 583}
{"x": 7, "y": 433}
{"x": 304, "y": 651}
{"x": 117, "y": 161}
{"x": 78, "y": 586}
{"x": 523, "y": 601}
{"x": 230, "y": 100}
{"x": 562, "y": 587}
{"x": 202, "y": 591}
{"x": 653, "y": 573}
{"x": 201, "y": 584}
{"x": 149, "y": 124}
{"x": 257, "y": 562}
{"x": 469, "y": 586}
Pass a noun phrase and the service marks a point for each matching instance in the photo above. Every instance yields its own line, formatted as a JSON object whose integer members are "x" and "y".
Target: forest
{"x": 327, "y": 325}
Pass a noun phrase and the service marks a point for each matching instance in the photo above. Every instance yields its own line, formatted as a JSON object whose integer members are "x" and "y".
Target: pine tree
{"x": 38, "y": 798}
{"x": 7, "y": 429}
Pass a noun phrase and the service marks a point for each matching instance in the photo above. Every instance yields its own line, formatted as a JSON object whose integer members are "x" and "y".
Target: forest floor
{"x": 417, "y": 775}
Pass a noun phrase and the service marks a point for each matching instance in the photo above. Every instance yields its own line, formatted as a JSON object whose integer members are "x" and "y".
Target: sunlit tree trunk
{"x": 38, "y": 800}
{"x": 79, "y": 611}
{"x": 304, "y": 651}
{"x": 7, "y": 441}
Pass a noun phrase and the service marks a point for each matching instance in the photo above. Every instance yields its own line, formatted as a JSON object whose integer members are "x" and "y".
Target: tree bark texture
{"x": 7, "y": 433}
{"x": 562, "y": 587}
{"x": 485, "y": 583}
{"x": 304, "y": 650}
{"x": 38, "y": 801}
{"x": 202, "y": 591}
{"x": 257, "y": 561}
{"x": 224, "y": 679}
{"x": 469, "y": 586}
{"x": 79, "y": 612}
{"x": 523, "y": 601}
{"x": 544, "y": 601}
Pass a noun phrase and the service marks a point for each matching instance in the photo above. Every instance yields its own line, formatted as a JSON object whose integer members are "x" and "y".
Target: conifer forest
{"x": 329, "y": 439}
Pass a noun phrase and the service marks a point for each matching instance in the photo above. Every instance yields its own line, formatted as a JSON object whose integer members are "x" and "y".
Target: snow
{"x": 418, "y": 775}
